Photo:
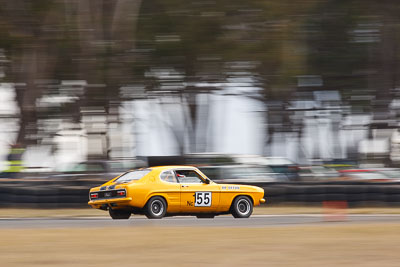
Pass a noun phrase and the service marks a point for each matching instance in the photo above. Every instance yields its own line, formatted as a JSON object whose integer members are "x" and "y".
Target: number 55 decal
{"x": 202, "y": 199}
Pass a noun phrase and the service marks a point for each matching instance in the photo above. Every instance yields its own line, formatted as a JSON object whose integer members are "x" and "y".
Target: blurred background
{"x": 301, "y": 97}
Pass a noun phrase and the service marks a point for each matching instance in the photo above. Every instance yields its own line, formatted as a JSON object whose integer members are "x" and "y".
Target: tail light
{"x": 121, "y": 193}
{"x": 94, "y": 195}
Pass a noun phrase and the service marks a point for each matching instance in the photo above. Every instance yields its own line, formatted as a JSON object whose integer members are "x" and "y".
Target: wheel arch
{"x": 156, "y": 194}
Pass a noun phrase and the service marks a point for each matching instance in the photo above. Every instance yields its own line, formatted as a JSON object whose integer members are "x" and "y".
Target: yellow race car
{"x": 173, "y": 190}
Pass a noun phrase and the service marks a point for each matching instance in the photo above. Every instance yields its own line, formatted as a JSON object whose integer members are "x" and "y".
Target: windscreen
{"x": 132, "y": 175}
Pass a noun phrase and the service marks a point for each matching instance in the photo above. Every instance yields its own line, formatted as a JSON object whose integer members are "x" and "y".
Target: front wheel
{"x": 156, "y": 208}
{"x": 242, "y": 207}
{"x": 119, "y": 214}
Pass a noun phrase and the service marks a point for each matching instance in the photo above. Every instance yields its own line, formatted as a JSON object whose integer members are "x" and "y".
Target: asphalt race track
{"x": 221, "y": 221}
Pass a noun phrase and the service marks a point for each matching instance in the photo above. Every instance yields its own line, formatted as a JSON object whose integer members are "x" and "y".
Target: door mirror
{"x": 207, "y": 181}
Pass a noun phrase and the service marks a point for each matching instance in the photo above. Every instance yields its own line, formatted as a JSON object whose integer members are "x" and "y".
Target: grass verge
{"x": 263, "y": 210}
{"x": 326, "y": 245}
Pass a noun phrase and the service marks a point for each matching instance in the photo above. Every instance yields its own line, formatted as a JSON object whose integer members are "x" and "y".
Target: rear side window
{"x": 168, "y": 176}
{"x": 132, "y": 175}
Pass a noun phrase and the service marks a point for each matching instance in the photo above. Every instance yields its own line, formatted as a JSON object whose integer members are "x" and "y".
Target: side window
{"x": 168, "y": 176}
{"x": 188, "y": 176}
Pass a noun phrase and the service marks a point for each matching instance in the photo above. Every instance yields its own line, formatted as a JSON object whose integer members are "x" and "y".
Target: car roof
{"x": 161, "y": 168}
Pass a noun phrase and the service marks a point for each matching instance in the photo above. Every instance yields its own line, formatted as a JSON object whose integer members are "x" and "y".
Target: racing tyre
{"x": 156, "y": 208}
{"x": 205, "y": 216}
{"x": 242, "y": 207}
{"x": 119, "y": 214}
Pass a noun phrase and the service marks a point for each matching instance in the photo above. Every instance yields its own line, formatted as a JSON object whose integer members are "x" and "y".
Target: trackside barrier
{"x": 75, "y": 193}
{"x": 43, "y": 196}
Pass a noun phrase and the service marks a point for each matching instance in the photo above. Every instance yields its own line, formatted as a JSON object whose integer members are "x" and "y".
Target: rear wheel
{"x": 156, "y": 208}
{"x": 242, "y": 207}
{"x": 119, "y": 214}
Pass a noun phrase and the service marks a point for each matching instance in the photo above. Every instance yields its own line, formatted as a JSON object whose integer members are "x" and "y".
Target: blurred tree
{"x": 352, "y": 45}
{"x": 48, "y": 41}
{"x": 24, "y": 36}
{"x": 214, "y": 42}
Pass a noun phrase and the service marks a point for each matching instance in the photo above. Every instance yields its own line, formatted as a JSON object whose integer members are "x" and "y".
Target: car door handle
{"x": 185, "y": 186}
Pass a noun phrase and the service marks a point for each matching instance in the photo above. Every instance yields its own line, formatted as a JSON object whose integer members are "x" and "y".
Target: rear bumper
{"x": 109, "y": 201}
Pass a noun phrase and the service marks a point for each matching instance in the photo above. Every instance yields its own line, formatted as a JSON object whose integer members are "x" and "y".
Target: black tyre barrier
{"x": 335, "y": 189}
{"x": 393, "y": 198}
{"x": 295, "y": 190}
{"x": 73, "y": 190}
{"x": 318, "y": 189}
{"x": 4, "y": 190}
{"x": 375, "y": 190}
{"x": 275, "y": 200}
{"x": 275, "y": 191}
{"x": 335, "y": 197}
{"x": 355, "y": 189}
{"x": 375, "y": 197}
{"x": 315, "y": 198}
{"x": 26, "y": 199}
{"x": 394, "y": 189}
{"x": 62, "y": 194}
{"x": 7, "y": 198}
{"x": 356, "y": 198}
{"x": 73, "y": 199}
{"x": 42, "y": 196}
{"x": 47, "y": 199}
{"x": 296, "y": 198}
{"x": 68, "y": 199}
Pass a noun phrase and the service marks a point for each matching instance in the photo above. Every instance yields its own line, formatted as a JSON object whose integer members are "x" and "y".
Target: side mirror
{"x": 207, "y": 181}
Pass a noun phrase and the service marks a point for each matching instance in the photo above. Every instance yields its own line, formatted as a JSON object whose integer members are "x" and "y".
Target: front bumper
{"x": 262, "y": 200}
